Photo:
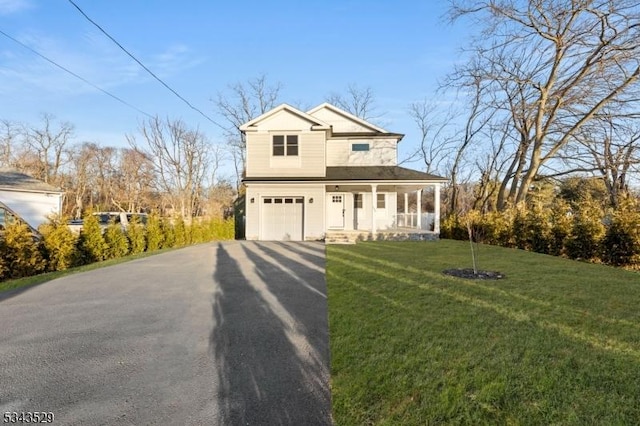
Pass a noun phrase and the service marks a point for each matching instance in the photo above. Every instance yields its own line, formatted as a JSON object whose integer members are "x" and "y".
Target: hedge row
{"x": 59, "y": 248}
{"x": 583, "y": 231}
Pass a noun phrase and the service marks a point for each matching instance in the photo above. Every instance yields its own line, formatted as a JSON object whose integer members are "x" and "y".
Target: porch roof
{"x": 358, "y": 173}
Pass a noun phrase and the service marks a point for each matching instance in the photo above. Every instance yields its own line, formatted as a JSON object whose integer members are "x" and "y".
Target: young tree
{"x": 59, "y": 244}
{"x": 137, "y": 235}
{"x": 21, "y": 252}
{"x": 91, "y": 244}
{"x": 116, "y": 243}
{"x": 155, "y": 237}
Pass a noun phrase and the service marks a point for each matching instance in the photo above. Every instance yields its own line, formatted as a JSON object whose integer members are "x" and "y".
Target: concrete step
{"x": 339, "y": 238}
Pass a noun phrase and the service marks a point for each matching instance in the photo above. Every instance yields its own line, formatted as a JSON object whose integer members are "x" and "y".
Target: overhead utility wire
{"x": 52, "y": 62}
{"x": 145, "y": 68}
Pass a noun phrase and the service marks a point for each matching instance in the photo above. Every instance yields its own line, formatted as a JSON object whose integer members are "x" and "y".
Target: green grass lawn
{"x": 555, "y": 342}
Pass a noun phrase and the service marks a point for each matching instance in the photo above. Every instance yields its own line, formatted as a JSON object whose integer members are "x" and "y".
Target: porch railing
{"x": 410, "y": 220}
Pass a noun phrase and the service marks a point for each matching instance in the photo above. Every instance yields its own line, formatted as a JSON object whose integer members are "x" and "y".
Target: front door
{"x": 335, "y": 211}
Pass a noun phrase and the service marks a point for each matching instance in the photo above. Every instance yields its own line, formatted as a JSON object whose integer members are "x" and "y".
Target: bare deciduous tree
{"x": 44, "y": 155}
{"x": 81, "y": 178}
{"x": 244, "y": 102}
{"x": 608, "y": 148}
{"x": 135, "y": 182}
{"x": 180, "y": 158}
{"x": 550, "y": 68}
{"x": 9, "y": 133}
{"x": 436, "y": 140}
{"x": 359, "y": 101}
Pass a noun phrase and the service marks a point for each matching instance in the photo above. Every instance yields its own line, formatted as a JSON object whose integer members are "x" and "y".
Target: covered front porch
{"x": 382, "y": 211}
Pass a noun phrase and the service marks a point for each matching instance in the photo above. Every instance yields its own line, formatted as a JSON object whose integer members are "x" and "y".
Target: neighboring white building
{"x": 27, "y": 198}
{"x": 312, "y": 174}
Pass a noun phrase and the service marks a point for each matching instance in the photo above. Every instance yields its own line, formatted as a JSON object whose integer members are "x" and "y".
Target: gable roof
{"x": 348, "y": 116}
{"x": 316, "y": 124}
{"x": 12, "y": 180}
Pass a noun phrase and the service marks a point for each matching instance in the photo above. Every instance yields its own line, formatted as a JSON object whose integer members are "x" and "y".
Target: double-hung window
{"x": 285, "y": 145}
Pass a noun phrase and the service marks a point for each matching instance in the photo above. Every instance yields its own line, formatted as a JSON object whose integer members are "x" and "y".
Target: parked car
{"x": 105, "y": 218}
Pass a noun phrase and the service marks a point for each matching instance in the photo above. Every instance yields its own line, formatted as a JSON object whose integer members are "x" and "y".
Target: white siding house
{"x": 27, "y": 198}
{"x": 317, "y": 174}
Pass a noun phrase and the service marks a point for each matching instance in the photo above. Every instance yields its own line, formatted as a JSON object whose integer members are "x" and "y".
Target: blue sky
{"x": 401, "y": 49}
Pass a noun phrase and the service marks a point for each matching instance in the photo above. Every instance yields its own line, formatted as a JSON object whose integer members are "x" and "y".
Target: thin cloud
{"x": 8, "y": 7}
{"x": 173, "y": 60}
{"x": 97, "y": 60}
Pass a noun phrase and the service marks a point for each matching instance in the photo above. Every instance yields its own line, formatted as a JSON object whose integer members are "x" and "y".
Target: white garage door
{"x": 282, "y": 218}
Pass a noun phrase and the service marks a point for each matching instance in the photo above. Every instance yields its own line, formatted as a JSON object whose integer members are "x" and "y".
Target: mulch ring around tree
{"x": 470, "y": 275}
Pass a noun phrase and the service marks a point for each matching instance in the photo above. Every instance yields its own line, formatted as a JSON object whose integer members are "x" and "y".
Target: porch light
{"x": 310, "y": 200}
{"x": 253, "y": 200}
{"x": 337, "y": 188}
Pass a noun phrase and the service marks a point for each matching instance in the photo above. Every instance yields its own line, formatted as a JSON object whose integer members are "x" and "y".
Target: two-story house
{"x": 313, "y": 174}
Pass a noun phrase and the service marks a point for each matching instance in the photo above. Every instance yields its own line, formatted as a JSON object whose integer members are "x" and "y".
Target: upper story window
{"x": 359, "y": 147}
{"x": 285, "y": 145}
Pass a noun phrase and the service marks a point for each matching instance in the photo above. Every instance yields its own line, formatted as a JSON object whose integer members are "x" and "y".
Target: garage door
{"x": 282, "y": 218}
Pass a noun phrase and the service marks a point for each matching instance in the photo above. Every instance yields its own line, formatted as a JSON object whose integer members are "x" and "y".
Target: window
{"x": 357, "y": 201}
{"x": 292, "y": 144}
{"x": 285, "y": 145}
{"x": 336, "y": 198}
{"x": 360, "y": 147}
{"x": 381, "y": 201}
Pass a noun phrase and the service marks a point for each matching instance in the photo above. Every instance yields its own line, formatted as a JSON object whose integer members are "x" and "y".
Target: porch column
{"x": 436, "y": 208}
{"x": 406, "y": 222}
{"x": 419, "y": 208}
{"x": 374, "y": 204}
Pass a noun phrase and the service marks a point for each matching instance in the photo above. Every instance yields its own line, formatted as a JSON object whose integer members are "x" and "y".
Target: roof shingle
{"x": 16, "y": 181}
{"x": 369, "y": 173}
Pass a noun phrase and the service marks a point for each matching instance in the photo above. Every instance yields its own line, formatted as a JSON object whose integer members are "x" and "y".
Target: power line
{"x": 145, "y": 67}
{"x": 54, "y": 63}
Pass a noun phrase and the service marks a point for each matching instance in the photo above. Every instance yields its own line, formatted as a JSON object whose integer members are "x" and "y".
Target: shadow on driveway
{"x": 270, "y": 335}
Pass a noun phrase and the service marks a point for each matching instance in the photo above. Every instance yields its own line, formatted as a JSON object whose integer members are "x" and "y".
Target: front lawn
{"x": 556, "y": 341}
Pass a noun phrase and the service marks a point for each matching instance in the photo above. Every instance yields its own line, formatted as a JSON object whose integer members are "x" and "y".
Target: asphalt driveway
{"x": 229, "y": 333}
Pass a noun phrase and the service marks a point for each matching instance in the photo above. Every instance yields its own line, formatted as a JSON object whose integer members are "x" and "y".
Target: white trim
{"x": 348, "y": 115}
{"x": 436, "y": 208}
{"x": 316, "y": 124}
